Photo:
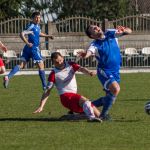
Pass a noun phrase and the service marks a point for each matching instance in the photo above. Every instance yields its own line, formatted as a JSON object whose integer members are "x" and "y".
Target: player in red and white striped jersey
{"x": 63, "y": 77}
{"x": 2, "y": 66}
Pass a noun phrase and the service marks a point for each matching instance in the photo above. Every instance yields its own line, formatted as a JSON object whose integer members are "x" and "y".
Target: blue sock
{"x": 107, "y": 104}
{"x": 99, "y": 102}
{"x": 13, "y": 71}
{"x": 43, "y": 78}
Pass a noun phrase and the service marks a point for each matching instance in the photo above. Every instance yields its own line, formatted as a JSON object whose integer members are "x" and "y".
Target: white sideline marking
{"x": 35, "y": 72}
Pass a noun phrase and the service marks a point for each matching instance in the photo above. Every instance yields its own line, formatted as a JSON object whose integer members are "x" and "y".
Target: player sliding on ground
{"x": 2, "y": 66}
{"x": 63, "y": 76}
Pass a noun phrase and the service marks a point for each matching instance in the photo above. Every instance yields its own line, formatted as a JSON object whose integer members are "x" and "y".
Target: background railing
{"x": 69, "y": 34}
{"x": 134, "y": 61}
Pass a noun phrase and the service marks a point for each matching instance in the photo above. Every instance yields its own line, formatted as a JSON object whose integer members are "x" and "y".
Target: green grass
{"x": 21, "y": 130}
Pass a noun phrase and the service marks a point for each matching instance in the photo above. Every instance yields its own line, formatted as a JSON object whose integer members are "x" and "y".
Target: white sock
{"x": 88, "y": 109}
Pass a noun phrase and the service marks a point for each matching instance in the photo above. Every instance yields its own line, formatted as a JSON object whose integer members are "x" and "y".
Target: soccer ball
{"x": 147, "y": 108}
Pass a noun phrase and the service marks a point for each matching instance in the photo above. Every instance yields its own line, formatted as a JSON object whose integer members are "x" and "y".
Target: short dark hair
{"x": 36, "y": 13}
{"x": 88, "y": 33}
{"x": 55, "y": 55}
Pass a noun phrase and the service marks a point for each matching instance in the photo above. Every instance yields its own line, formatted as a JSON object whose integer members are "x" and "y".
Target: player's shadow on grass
{"x": 50, "y": 119}
{"x": 64, "y": 118}
{"x": 127, "y": 120}
{"x": 134, "y": 99}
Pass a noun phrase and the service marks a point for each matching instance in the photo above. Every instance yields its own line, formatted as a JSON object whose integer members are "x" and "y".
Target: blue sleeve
{"x": 110, "y": 33}
{"x": 29, "y": 26}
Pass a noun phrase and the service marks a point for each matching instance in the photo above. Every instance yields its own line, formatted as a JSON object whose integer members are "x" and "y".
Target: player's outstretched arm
{"x": 84, "y": 54}
{"x": 46, "y": 35}
{"x": 43, "y": 101}
{"x": 3, "y": 47}
{"x": 86, "y": 71}
{"x": 123, "y": 31}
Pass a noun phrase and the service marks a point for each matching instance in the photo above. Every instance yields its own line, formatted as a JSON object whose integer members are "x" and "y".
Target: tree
{"x": 99, "y": 9}
{"x": 9, "y": 8}
{"x": 57, "y": 9}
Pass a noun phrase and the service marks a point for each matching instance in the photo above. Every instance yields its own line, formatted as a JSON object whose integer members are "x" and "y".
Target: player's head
{"x": 58, "y": 60}
{"x": 94, "y": 32}
{"x": 36, "y": 17}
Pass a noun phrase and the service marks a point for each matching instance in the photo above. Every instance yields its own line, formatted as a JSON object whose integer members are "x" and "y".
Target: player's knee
{"x": 82, "y": 100}
{"x": 116, "y": 90}
{"x": 2, "y": 70}
{"x": 87, "y": 104}
{"x": 21, "y": 66}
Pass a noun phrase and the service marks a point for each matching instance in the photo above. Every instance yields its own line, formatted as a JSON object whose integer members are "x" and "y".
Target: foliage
{"x": 57, "y": 9}
{"x": 109, "y": 9}
{"x": 9, "y": 8}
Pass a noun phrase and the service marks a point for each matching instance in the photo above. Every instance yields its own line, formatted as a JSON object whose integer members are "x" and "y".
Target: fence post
{"x": 51, "y": 30}
{"x": 51, "y": 27}
{"x": 105, "y": 24}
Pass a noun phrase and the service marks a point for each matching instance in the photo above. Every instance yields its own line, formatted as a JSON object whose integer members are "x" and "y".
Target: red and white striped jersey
{"x": 64, "y": 79}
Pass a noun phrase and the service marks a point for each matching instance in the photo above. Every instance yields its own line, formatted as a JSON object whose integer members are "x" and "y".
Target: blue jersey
{"x": 35, "y": 30}
{"x": 107, "y": 52}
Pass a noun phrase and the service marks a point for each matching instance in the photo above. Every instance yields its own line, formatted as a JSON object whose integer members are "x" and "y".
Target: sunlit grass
{"x": 21, "y": 130}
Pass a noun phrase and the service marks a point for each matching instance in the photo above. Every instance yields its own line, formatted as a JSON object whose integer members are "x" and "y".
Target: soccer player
{"x": 31, "y": 49}
{"x": 107, "y": 52}
{"x": 63, "y": 77}
{"x": 2, "y": 66}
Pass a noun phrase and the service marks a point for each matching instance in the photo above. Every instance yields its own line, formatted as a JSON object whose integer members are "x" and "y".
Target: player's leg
{"x": 42, "y": 74}
{"x": 79, "y": 104}
{"x": 37, "y": 58}
{"x": 13, "y": 72}
{"x": 112, "y": 88}
{"x": 103, "y": 78}
{"x": 88, "y": 106}
{"x": 2, "y": 67}
{"x": 110, "y": 98}
{"x": 89, "y": 109}
{"x": 24, "y": 59}
{"x": 2, "y": 70}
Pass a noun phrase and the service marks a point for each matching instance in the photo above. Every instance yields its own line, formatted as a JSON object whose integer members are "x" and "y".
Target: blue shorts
{"x": 107, "y": 77}
{"x": 31, "y": 52}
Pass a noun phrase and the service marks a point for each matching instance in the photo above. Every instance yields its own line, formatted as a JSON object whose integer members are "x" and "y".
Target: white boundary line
{"x": 35, "y": 72}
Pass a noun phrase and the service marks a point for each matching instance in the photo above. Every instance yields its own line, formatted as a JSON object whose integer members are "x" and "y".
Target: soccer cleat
{"x": 5, "y": 81}
{"x": 107, "y": 117}
{"x": 70, "y": 112}
{"x": 95, "y": 120}
{"x": 45, "y": 89}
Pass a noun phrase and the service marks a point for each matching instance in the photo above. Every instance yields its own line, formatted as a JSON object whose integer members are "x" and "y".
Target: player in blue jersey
{"x": 107, "y": 52}
{"x": 31, "y": 49}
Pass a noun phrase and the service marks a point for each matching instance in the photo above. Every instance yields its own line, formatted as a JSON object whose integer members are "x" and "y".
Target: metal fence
{"x": 128, "y": 61}
{"x": 69, "y": 34}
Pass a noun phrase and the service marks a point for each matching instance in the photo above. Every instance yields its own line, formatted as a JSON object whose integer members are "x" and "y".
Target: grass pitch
{"x": 22, "y": 130}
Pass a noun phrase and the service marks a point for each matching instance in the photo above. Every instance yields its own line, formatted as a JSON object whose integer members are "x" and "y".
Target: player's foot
{"x": 106, "y": 118}
{"x": 70, "y": 112}
{"x": 5, "y": 81}
{"x": 95, "y": 120}
{"x": 44, "y": 89}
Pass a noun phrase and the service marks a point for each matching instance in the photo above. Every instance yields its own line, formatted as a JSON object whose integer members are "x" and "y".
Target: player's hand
{"x": 4, "y": 48}
{"x": 51, "y": 37}
{"x": 29, "y": 44}
{"x": 81, "y": 54}
{"x": 120, "y": 29}
{"x": 93, "y": 73}
{"x": 40, "y": 109}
